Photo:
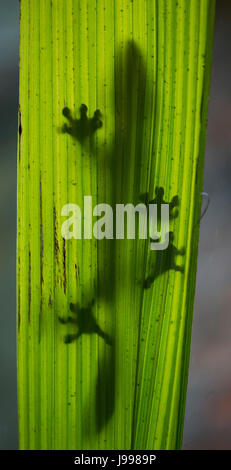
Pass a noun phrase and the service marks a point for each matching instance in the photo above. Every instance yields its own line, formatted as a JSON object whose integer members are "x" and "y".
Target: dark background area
{"x": 208, "y": 411}
{"x": 9, "y": 44}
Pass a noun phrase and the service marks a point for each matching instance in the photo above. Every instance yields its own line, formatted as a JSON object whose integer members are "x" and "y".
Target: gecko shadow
{"x": 83, "y": 318}
{"x": 86, "y": 323}
{"x": 84, "y": 128}
{"x": 165, "y": 261}
{"x": 159, "y": 200}
{"x": 129, "y": 96}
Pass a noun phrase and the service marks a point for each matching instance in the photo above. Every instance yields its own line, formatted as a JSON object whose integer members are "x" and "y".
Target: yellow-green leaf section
{"x": 145, "y": 64}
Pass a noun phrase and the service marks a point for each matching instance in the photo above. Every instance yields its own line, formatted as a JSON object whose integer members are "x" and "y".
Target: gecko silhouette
{"x": 84, "y": 127}
{"x": 165, "y": 261}
{"x": 159, "y": 199}
{"x": 118, "y": 153}
{"x": 86, "y": 323}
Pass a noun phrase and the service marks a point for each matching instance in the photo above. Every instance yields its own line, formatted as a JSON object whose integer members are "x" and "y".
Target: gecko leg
{"x": 70, "y": 338}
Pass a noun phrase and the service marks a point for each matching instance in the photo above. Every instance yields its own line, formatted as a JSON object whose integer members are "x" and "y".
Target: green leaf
{"x": 145, "y": 65}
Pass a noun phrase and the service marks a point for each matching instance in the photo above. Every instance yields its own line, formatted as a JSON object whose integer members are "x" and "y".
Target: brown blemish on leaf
{"x": 50, "y": 303}
{"x": 77, "y": 272}
{"x": 56, "y": 244}
{"x": 20, "y": 125}
{"x": 19, "y": 136}
{"x": 64, "y": 266}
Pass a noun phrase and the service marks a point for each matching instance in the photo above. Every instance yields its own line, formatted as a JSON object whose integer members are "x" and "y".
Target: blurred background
{"x": 208, "y": 411}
